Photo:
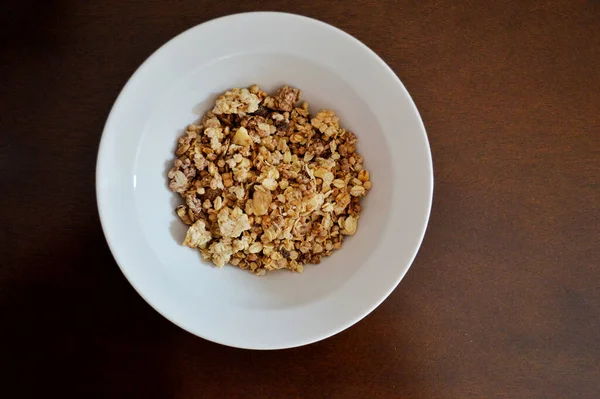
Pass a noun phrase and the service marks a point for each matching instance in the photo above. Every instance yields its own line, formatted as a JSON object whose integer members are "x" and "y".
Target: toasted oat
{"x": 266, "y": 185}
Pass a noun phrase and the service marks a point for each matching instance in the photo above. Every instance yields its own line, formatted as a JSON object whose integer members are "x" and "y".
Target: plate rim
{"x": 399, "y": 85}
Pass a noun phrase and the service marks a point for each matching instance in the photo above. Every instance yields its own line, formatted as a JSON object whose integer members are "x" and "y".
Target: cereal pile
{"x": 266, "y": 185}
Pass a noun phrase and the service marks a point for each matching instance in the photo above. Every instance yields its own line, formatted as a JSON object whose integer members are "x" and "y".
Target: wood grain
{"x": 503, "y": 300}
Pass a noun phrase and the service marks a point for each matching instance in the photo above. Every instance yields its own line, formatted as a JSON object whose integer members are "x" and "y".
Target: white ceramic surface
{"x": 173, "y": 88}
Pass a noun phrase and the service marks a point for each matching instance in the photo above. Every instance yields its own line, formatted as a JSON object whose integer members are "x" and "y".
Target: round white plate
{"x": 172, "y": 89}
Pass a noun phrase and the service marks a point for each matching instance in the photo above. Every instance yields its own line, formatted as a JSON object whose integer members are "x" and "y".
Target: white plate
{"x": 175, "y": 86}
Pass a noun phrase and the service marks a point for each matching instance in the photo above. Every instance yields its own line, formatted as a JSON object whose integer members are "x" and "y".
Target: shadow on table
{"x": 369, "y": 360}
{"x": 74, "y": 326}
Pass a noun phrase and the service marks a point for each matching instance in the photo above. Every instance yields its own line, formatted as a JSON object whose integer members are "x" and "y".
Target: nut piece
{"x": 261, "y": 201}
{"x": 363, "y": 176}
{"x": 350, "y": 225}
{"x": 242, "y": 137}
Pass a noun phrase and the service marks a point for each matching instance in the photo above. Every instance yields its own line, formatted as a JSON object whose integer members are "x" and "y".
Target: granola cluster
{"x": 266, "y": 185}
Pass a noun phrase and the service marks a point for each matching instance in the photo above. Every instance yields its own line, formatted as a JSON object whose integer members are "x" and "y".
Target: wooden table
{"x": 503, "y": 300}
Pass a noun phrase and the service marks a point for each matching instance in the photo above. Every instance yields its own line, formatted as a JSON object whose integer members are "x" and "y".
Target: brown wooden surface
{"x": 502, "y": 300}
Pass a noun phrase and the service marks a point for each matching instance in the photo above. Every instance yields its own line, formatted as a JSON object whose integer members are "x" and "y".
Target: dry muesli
{"x": 266, "y": 185}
